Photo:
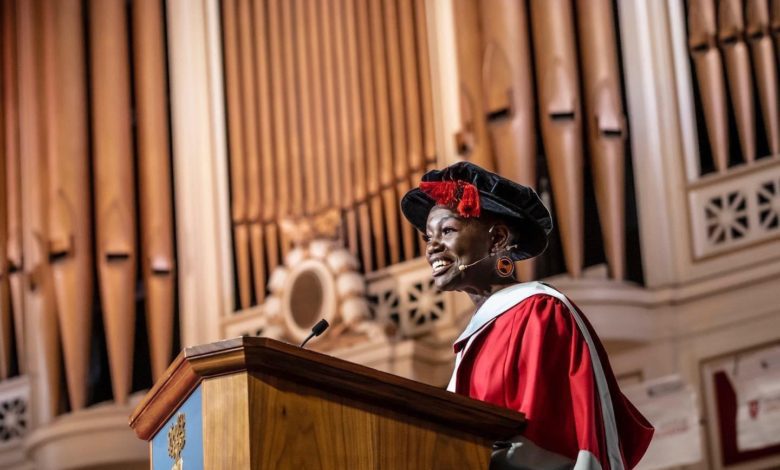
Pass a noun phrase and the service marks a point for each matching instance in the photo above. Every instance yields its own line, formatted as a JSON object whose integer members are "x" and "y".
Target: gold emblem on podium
{"x": 176, "y": 441}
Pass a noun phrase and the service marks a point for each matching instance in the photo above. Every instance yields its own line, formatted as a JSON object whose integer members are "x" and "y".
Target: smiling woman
{"x": 527, "y": 347}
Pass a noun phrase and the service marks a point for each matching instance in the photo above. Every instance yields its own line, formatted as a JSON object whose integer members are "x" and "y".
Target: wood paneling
{"x": 226, "y": 419}
{"x": 294, "y": 425}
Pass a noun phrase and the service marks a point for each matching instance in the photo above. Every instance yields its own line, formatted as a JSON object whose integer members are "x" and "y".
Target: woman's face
{"x": 453, "y": 241}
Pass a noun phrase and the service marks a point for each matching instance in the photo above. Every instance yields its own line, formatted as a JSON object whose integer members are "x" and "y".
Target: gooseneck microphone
{"x": 316, "y": 330}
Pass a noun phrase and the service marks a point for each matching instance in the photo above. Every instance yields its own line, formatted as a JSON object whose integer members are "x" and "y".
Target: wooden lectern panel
{"x": 297, "y": 426}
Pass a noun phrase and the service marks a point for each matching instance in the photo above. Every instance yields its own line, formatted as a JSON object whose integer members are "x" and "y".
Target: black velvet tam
{"x": 516, "y": 205}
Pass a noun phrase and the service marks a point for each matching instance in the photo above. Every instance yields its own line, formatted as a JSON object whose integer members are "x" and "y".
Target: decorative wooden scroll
{"x": 114, "y": 186}
{"x": 472, "y": 140}
{"x": 40, "y": 309}
{"x": 507, "y": 91}
{"x": 765, "y": 68}
{"x": 606, "y": 124}
{"x": 731, "y": 36}
{"x": 702, "y": 41}
{"x": 154, "y": 173}
{"x": 70, "y": 228}
{"x": 561, "y": 122}
{"x": 10, "y": 109}
{"x": 238, "y": 172}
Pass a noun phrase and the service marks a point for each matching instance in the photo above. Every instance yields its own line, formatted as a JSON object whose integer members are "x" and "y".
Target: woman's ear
{"x": 499, "y": 237}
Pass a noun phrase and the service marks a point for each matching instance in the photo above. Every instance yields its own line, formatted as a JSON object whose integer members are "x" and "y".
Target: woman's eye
{"x": 426, "y": 238}
{"x": 447, "y": 230}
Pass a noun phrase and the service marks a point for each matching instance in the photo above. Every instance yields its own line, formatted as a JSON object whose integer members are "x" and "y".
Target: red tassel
{"x": 443, "y": 192}
{"x": 469, "y": 201}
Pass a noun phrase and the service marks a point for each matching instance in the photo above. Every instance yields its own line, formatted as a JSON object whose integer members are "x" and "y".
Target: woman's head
{"x": 468, "y": 214}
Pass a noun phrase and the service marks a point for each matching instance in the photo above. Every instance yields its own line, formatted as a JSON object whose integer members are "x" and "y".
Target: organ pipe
{"x": 507, "y": 91}
{"x": 606, "y": 124}
{"x": 561, "y": 122}
{"x": 154, "y": 173}
{"x": 114, "y": 186}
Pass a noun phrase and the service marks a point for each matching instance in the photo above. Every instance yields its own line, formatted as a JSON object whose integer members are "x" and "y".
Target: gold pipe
{"x": 472, "y": 139}
{"x": 40, "y": 310}
{"x": 606, "y": 125}
{"x": 507, "y": 90}
{"x": 561, "y": 120}
{"x": 292, "y": 85}
{"x": 372, "y": 185}
{"x": 154, "y": 173}
{"x": 306, "y": 92}
{"x": 238, "y": 173}
{"x": 10, "y": 108}
{"x": 398, "y": 118}
{"x": 344, "y": 160}
{"x": 758, "y": 34}
{"x": 708, "y": 64}
{"x": 281, "y": 151}
{"x": 389, "y": 202}
{"x": 114, "y": 186}
{"x": 426, "y": 96}
{"x": 774, "y": 25}
{"x": 6, "y": 333}
{"x": 731, "y": 36}
{"x": 70, "y": 228}
{"x": 265, "y": 117}
{"x": 358, "y": 136}
{"x": 251, "y": 156}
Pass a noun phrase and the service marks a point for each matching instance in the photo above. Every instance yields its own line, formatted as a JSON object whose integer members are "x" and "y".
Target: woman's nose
{"x": 434, "y": 245}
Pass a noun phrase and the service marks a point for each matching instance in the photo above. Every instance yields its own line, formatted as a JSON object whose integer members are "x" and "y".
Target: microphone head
{"x": 320, "y": 327}
{"x": 462, "y": 267}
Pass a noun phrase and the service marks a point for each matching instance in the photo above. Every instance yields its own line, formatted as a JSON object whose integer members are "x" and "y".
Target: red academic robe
{"x": 526, "y": 350}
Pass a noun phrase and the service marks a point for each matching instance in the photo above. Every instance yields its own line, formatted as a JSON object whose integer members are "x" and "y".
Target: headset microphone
{"x": 463, "y": 267}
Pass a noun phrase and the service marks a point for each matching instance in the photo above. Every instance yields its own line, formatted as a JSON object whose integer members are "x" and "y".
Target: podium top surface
{"x": 264, "y": 356}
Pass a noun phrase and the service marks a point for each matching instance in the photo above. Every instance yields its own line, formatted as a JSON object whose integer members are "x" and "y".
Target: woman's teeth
{"x": 440, "y": 265}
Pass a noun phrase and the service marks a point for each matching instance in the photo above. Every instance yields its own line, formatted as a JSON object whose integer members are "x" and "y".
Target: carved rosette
{"x": 318, "y": 279}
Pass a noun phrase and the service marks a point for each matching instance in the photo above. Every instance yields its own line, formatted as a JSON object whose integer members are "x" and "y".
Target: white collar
{"x": 500, "y": 302}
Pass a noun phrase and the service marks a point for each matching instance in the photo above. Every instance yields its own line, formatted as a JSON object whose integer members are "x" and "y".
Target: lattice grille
{"x": 735, "y": 212}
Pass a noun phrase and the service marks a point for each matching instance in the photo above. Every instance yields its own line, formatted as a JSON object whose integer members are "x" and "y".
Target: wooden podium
{"x": 256, "y": 403}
